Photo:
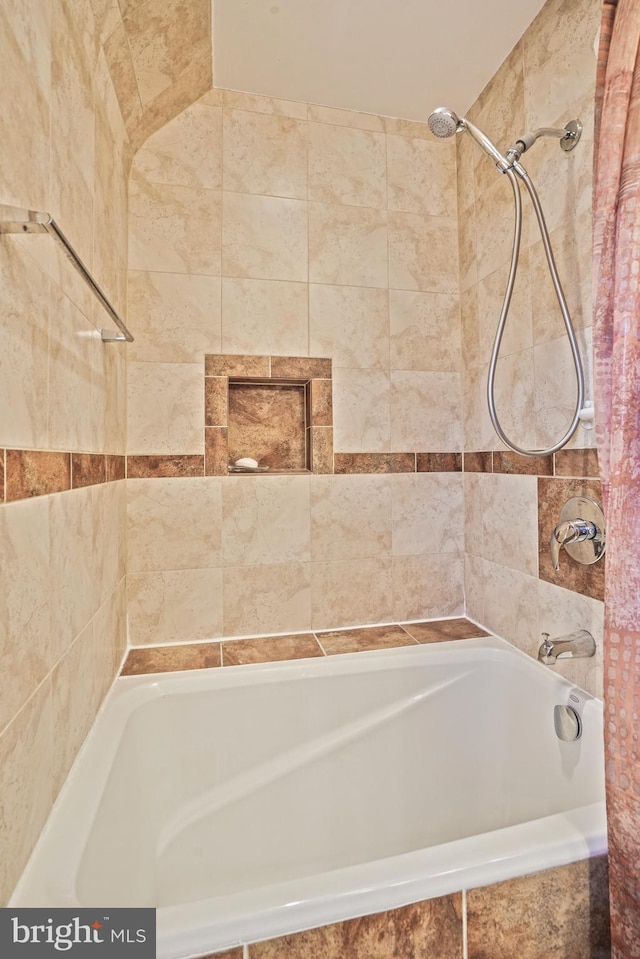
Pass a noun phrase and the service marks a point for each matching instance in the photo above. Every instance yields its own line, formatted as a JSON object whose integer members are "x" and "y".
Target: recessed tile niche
{"x": 275, "y": 409}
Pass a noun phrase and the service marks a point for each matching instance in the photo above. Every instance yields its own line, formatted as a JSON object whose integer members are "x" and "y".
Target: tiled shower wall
{"x": 62, "y": 538}
{"x": 274, "y": 228}
{"x": 547, "y": 80}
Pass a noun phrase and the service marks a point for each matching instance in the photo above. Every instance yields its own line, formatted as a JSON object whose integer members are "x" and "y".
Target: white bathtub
{"x": 252, "y": 801}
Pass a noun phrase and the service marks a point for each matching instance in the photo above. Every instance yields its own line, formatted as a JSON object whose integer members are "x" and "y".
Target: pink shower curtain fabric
{"x": 616, "y": 334}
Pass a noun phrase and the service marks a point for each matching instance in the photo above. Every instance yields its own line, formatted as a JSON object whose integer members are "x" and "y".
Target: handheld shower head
{"x": 443, "y": 122}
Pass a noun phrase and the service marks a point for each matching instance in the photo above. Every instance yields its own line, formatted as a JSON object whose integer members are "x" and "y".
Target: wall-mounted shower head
{"x": 443, "y": 122}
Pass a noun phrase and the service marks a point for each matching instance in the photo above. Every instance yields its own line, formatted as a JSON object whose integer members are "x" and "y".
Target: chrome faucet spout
{"x": 578, "y": 645}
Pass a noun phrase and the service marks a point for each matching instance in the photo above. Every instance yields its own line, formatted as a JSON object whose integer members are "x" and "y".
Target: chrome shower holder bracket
{"x": 572, "y": 136}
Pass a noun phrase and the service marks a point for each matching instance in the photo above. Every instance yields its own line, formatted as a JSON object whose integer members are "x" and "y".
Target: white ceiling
{"x": 393, "y": 57}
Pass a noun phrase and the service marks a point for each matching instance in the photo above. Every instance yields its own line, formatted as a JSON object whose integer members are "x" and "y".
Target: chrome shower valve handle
{"x": 580, "y": 531}
{"x": 571, "y": 531}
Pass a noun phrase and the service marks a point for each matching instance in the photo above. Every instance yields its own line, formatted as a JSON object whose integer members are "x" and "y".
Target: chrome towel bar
{"x": 15, "y": 220}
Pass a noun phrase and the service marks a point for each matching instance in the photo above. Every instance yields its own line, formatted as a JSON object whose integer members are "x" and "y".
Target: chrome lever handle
{"x": 571, "y": 531}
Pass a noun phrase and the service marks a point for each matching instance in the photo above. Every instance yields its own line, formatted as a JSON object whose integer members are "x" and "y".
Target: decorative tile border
{"x": 266, "y": 649}
{"x": 578, "y": 463}
{"x": 28, "y": 473}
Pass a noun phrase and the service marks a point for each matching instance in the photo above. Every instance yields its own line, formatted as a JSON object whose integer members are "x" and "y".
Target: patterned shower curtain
{"x": 616, "y": 331}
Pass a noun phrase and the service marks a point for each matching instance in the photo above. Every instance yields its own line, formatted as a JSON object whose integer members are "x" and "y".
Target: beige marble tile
{"x": 174, "y": 606}
{"x": 510, "y": 502}
{"x": 265, "y": 520}
{"x": 174, "y": 523}
{"x": 73, "y": 346}
{"x": 474, "y": 484}
{"x": 518, "y": 331}
{"x": 27, "y": 648}
{"x": 110, "y": 636}
{"x": 175, "y": 317}
{"x": 499, "y": 111}
{"x": 235, "y": 100}
{"x": 265, "y": 317}
{"x": 24, "y": 319}
{"x": 71, "y": 565}
{"x": 428, "y": 585}
{"x": 350, "y": 324}
{"x": 397, "y": 126}
{"x": 264, "y": 237}
{"x": 118, "y": 57}
{"x": 26, "y": 785}
{"x": 267, "y": 599}
{"x": 186, "y": 151}
{"x": 346, "y": 118}
{"x": 424, "y": 331}
{"x": 571, "y": 244}
{"x": 347, "y": 166}
{"x": 174, "y": 229}
{"x": 107, "y": 16}
{"x": 517, "y": 619}
{"x": 465, "y": 163}
{"x": 351, "y": 592}
{"x": 563, "y": 611}
{"x": 165, "y": 408}
{"x": 347, "y": 245}
{"x": 423, "y": 253}
{"x": 494, "y": 214}
{"x": 470, "y": 329}
{"x": 265, "y": 154}
{"x": 72, "y": 134}
{"x": 474, "y": 587}
{"x": 514, "y": 397}
{"x": 421, "y": 176}
{"x": 109, "y": 515}
{"x": 361, "y": 414}
{"x": 555, "y": 390}
{"x": 428, "y": 513}
{"x": 164, "y": 37}
{"x": 76, "y": 694}
{"x": 188, "y": 86}
{"x": 558, "y": 72}
{"x": 468, "y": 247}
{"x": 563, "y": 179}
{"x": 25, "y": 75}
{"x": 350, "y": 517}
{"x": 425, "y": 411}
{"x": 479, "y": 434}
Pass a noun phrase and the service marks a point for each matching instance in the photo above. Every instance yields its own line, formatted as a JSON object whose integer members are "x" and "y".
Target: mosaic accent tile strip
{"x": 374, "y": 463}
{"x": 264, "y": 649}
{"x": 438, "y": 462}
{"x": 444, "y": 631}
{"x": 478, "y": 463}
{"x": 143, "y": 467}
{"x": 505, "y": 461}
{"x": 88, "y": 469}
{"x": 240, "y": 652}
{"x": 367, "y": 638}
{"x": 36, "y": 473}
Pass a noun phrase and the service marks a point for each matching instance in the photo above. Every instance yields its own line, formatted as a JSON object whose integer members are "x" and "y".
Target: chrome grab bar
{"x": 15, "y": 220}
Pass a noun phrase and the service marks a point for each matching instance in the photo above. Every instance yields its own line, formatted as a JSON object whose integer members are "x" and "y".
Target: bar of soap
{"x": 247, "y": 463}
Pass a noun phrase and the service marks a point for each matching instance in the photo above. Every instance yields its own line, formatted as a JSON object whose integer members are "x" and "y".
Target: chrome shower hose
{"x": 524, "y": 176}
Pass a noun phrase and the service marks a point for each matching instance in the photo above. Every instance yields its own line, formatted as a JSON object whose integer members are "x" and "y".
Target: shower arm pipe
{"x": 15, "y": 220}
{"x": 575, "y": 352}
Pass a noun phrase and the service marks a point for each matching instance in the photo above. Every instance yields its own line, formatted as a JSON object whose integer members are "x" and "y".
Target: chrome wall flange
{"x": 572, "y": 136}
